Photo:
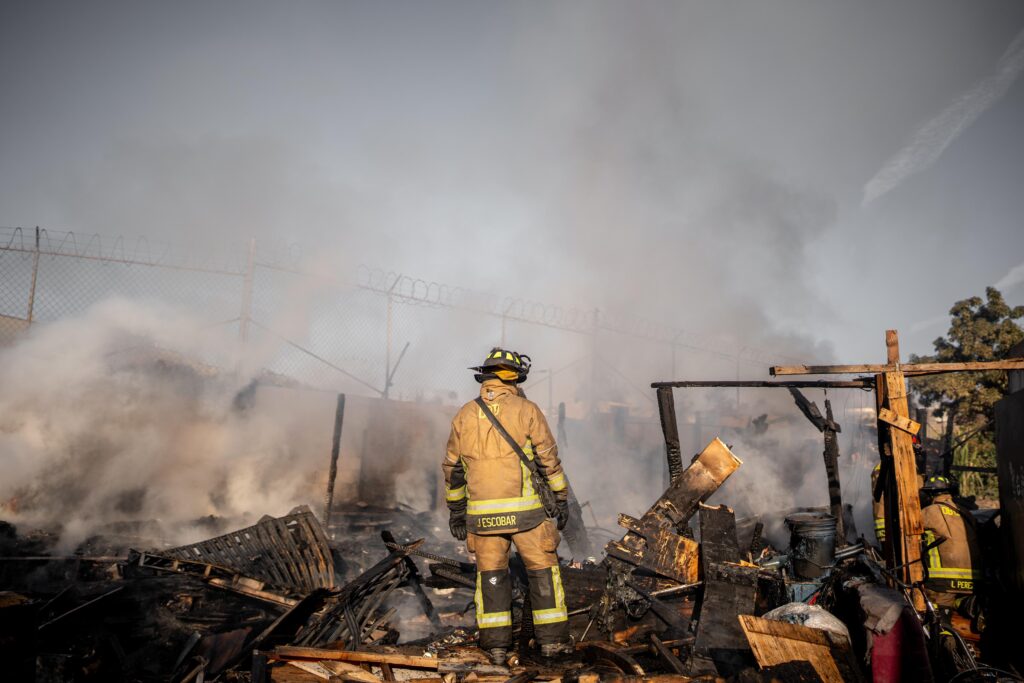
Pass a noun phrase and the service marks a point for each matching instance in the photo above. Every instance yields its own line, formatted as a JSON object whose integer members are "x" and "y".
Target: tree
{"x": 979, "y": 331}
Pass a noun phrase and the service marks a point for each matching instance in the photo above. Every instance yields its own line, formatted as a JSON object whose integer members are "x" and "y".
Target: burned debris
{"x": 686, "y": 591}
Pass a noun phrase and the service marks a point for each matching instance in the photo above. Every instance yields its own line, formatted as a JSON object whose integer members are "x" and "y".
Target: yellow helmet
{"x": 508, "y": 366}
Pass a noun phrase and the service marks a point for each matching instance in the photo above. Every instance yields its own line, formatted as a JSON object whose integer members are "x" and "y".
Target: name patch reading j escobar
{"x": 499, "y": 520}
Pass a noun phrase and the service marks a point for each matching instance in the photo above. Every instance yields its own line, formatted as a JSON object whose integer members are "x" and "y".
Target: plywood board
{"x": 777, "y": 642}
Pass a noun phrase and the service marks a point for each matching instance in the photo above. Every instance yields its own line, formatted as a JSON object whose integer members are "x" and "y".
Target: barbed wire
{"x": 399, "y": 287}
{"x": 413, "y": 290}
{"x": 139, "y": 250}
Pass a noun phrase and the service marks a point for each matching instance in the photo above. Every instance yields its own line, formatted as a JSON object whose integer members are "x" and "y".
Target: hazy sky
{"x": 706, "y": 162}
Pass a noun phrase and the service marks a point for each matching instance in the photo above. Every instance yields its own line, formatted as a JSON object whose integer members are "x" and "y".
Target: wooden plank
{"x": 718, "y": 542}
{"x": 905, "y": 470}
{"x": 336, "y": 670}
{"x": 908, "y": 368}
{"x": 719, "y": 647}
{"x": 706, "y": 473}
{"x": 283, "y": 672}
{"x": 289, "y": 652}
{"x": 905, "y": 423}
{"x": 778, "y": 642}
{"x": 657, "y": 549}
{"x": 892, "y": 347}
{"x": 654, "y": 541}
{"x": 767, "y": 384}
{"x": 667, "y": 656}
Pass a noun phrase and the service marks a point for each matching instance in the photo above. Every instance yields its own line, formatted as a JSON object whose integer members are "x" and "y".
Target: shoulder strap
{"x": 530, "y": 465}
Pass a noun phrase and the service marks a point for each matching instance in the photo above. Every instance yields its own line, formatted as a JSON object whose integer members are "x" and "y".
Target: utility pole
{"x": 246, "y": 313}
{"x": 594, "y": 361}
{"x": 35, "y": 274}
{"x": 387, "y": 345}
{"x": 551, "y": 401}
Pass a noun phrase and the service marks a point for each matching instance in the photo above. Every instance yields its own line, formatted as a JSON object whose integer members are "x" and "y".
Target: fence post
{"x": 387, "y": 354}
{"x": 246, "y": 313}
{"x": 387, "y": 345}
{"x": 35, "y": 274}
{"x": 594, "y": 362}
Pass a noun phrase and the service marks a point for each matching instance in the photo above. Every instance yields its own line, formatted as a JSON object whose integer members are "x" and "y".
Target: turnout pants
{"x": 494, "y": 585}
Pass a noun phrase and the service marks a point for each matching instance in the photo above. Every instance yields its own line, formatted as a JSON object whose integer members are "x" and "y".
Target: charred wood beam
{"x": 416, "y": 580}
{"x": 906, "y": 368}
{"x": 339, "y": 415}
{"x": 729, "y": 590}
{"x": 670, "y": 430}
{"x": 828, "y": 427}
{"x": 351, "y": 610}
{"x": 215, "y": 575}
{"x": 866, "y": 383}
{"x": 667, "y": 656}
{"x": 440, "y": 559}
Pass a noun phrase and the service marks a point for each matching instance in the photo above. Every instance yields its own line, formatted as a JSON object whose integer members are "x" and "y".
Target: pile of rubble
{"x": 264, "y": 603}
{"x": 686, "y": 592}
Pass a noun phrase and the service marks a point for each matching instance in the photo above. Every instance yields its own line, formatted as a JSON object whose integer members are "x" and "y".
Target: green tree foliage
{"x": 979, "y": 331}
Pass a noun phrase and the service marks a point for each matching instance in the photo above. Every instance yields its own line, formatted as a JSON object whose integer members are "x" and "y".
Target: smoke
{"x": 633, "y": 163}
{"x": 939, "y": 132}
{"x": 1012, "y": 279}
{"x": 101, "y": 425}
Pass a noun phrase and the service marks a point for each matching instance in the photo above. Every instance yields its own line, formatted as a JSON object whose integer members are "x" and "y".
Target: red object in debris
{"x": 901, "y": 654}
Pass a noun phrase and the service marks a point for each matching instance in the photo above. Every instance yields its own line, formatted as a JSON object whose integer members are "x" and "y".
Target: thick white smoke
{"x": 101, "y": 422}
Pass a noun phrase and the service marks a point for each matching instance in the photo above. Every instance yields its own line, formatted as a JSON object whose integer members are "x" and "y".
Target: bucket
{"x": 812, "y": 543}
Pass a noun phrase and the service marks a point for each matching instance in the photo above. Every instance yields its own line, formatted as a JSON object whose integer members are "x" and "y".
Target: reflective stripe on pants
{"x": 494, "y": 589}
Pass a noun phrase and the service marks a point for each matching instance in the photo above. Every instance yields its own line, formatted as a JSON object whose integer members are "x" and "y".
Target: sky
{"x": 798, "y": 175}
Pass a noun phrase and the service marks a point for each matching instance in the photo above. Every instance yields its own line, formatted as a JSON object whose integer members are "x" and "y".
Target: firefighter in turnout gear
{"x": 878, "y": 505}
{"x": 954, "y": 566}
{"x": 494, "y": 502}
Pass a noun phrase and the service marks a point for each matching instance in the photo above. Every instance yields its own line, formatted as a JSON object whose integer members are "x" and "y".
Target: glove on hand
{"x": 457, "y": 524}
{"x": 563, "y": 511}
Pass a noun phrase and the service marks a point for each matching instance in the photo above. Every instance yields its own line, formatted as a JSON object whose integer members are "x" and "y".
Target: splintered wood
{"x": 891, "y": 393}
{"x": 893, "y": 419}
{"x": 653, "y": 541}
{"x": 777, "y": 642}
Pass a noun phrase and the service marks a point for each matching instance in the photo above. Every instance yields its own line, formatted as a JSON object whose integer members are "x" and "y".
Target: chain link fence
{"x": 372, "y": 332}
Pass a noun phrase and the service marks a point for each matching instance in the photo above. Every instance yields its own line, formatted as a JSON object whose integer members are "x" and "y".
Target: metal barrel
{"x": 812, "y": 543}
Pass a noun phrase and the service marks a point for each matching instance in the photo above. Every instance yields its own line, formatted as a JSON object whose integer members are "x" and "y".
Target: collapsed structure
{"x": 685, "y": 592}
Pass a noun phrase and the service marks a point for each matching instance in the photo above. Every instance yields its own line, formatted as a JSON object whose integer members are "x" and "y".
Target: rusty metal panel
{"x": 287, "y": 552}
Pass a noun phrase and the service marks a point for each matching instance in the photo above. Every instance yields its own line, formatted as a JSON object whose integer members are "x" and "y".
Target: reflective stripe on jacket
{"x": 954, "y": 565}
{"x": 483, "y": 472}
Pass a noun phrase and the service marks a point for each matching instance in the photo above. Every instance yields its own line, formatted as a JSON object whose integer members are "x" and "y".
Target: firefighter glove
{"x": 457, "y": 524}
{"x": 563, "y": 512}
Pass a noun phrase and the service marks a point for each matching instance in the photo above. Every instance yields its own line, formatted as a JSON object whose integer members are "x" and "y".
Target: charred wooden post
{"x": 729, "y": 591}
{"x": 332, "y": 475}
{"x": 670, "y": 429}
{"x": 828, "y": 427}
{"x": 904, "y": 519}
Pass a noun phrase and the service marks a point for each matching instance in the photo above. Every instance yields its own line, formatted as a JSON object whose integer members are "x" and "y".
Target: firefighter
{"x": 493, "y": 503}
{"x": 954, "y": 566}
{"x": 878, "y": 506}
